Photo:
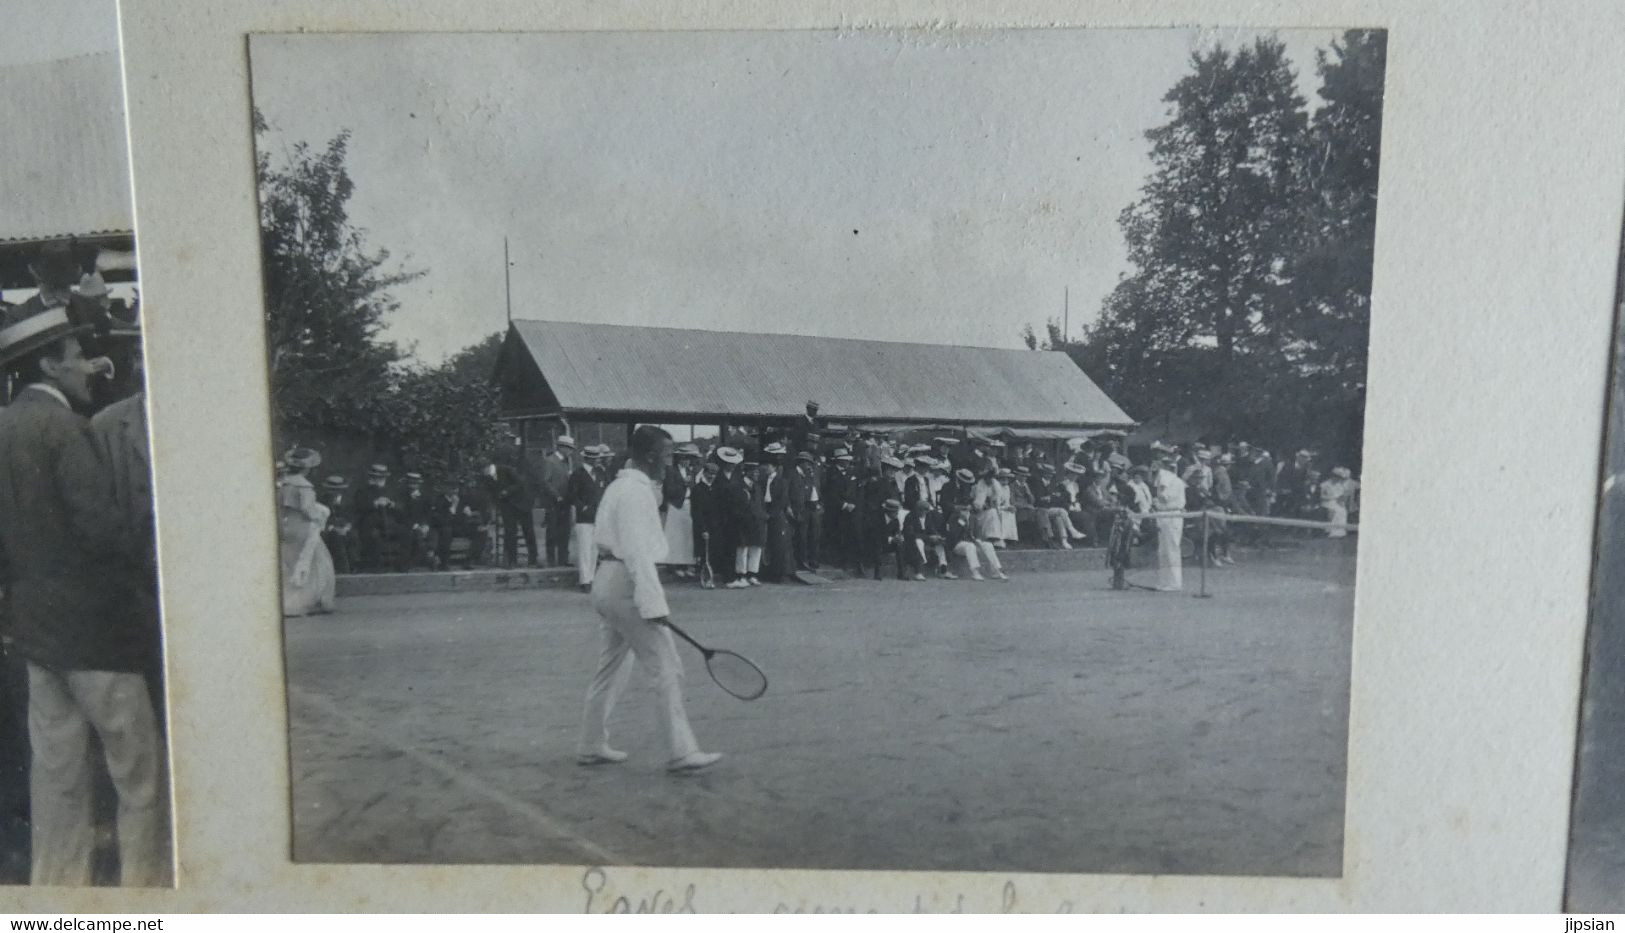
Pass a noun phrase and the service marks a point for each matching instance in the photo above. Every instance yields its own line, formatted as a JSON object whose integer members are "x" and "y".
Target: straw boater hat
{"x": 336, "y": 483}
{"x": 805, "y": 457}
{"x": 302, "y": 458}
{"x": 1076, "y": 468}
{"x": 1024, "y": 470}
{"x": 413, "y": 479}
{"x": 604, "y": 451}
{"x": 565, "y": 440}
{"x": 891, "y": 463}
{"x": 1004, "y": 473}
{"x": 1046, "y": 468}
{"x": 841, "y": 453}
{"x": 1118, "y": 462}
{"x": 378, "y": 471}
{"x": 1203, "y": 453}
{"x": 946, "y": 441}
{"x": 729, "y": 455}
{"x": 892, "y": 505}
{"x": 774, "y": 449}
{"x": 964, "y": 475}
{"x": 687, "y": 450}
{"x": 24, "y": 330}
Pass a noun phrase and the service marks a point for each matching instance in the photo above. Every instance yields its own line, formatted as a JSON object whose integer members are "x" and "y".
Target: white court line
{"x": 536, "y": 815}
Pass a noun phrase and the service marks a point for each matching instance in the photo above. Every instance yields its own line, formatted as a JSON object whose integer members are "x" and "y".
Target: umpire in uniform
{"x": 84, "y": 639}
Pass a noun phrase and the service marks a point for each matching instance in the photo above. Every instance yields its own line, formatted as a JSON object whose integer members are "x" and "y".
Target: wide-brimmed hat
{"x": 892, "y": 505}
{"x": 1004, "y": 473}
{"x": 565, "y": 440}
{"x": 25, "y": 328}
{"x": 964, "y": 475}
{"x": 412, "y": 479}
{"x": 378, "y": 471}
{"x": 773, "y": 450}
{"x": 841, "y": 453}
{"x": 805, "y": 457}
{"x": 686, "y": 450}
{"x": 335, "y": 482}
{"x": 1076, "y": 468}
{"x": 603, "y": 451}
{"x": 1160, "y": 448}
{"x": 1024, "y": 470}
{"x": 1046, "y": 468}
{"x": 945, "y": 441}
{"x": 302, "y": 458}
{"x": 1204, "y": 454}
{"x": 919, "y": 448}
{"x": 1073, "y": 443}
{"x": 891, "y": 463}
{"x": 729, "y": 455}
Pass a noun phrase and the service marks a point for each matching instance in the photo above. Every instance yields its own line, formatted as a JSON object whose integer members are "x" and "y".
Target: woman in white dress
{"x": 1168, "y": 495}
{"x": 1006, "y": 507}
{"x": 678, "y": 515}
{"x": 308, "y": 581}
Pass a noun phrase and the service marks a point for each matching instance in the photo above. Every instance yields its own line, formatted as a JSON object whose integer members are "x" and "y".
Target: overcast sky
{"x": 939, "y": 187}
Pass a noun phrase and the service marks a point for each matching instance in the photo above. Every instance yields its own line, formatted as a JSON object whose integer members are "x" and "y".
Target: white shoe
{"x": 1066, "y": 545}
{"x": 976, "y": 576}
{"x": 1002, "y": 576}
{"x": 693, "y": 762}
{"x": 752, "y": 581}
{"x": 602, "y": 756}
{"x": 739, "y": 584}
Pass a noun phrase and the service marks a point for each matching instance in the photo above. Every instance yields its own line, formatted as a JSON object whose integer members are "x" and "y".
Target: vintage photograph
{"x": 84, "y": 793}
{"x": 851, "y": 449}
{"x": 1596, "y": 867}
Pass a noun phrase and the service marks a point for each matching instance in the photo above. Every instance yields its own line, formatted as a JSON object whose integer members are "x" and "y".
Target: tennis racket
{"x": 706, "y": 576}
{"x": 732, "y": 671}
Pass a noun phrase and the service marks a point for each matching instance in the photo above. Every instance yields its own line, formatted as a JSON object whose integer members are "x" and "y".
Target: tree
{"x": 326, "y": 294}
{"x": 1248, "y": 301}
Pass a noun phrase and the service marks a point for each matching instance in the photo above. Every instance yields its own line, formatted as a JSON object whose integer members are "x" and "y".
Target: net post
{"x": 1203, "y": 593}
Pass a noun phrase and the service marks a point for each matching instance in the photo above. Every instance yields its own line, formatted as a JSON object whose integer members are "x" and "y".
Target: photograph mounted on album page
{"x": 942, "y": 474}
{"x": 84, "y": 791}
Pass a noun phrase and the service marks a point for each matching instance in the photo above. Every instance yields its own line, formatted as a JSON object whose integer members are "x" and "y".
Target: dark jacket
{"x": 583, "y": 492}
{"x": 744, "y": 512}
{"x": 60, "y": 536}
{"x": 673, "y": 489}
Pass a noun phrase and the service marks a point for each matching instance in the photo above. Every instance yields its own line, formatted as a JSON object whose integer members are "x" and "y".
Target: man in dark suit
{"x": 804, "y": 427}
{"x": 378, "y": 522}
{"x": 841, "y": 500}
{"x": 704, "y": 506}
{"x": 339, "y": 535}
{"x": 514, "y": 500}
{"x": 779, "y": 490}
{"x": 416, "y": 515}
{"x": 457, "y": 513}
{"x": 581, "y": 494}
{"x": 882, "y": 519}
{"x": 555, "y": 472}
{"x": 84, "y": 639}
{"x": 809, "y": 508}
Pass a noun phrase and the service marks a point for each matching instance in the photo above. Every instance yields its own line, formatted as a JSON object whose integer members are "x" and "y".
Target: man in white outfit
{"x": 631, "y": 605}
{"x": 1168, "y": 495}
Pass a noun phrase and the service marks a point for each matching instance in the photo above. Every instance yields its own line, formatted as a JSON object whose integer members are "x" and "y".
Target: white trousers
{"x": 627, "y": 639}
{"x": 62, "y": 709}
{"x": 586, "y": 554}
{"x": 747, "y": 559}
{"x": 969, "y": 551}
{"x": 1170, "y": 566}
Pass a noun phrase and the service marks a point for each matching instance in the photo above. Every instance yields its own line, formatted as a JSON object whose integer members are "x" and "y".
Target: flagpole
{"x": 507, "y": 279}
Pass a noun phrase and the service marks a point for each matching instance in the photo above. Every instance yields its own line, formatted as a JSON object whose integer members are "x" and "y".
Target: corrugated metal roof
{"x": 64, "y": 153}
{"x": 670, "y": 371}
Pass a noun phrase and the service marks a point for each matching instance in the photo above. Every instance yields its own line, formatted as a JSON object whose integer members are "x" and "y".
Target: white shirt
{"x": 628, "y": 527}
{"x": 1170, "y": 492}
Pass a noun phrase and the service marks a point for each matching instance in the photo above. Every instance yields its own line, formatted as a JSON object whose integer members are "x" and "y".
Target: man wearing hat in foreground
{"x": 378, "y": 522}
{"x": 418, "y": 515}
{"x": 84, "y": 640}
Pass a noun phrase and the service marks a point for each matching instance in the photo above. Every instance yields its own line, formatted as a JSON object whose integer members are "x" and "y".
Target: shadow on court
{"x": 1045, "y": 724}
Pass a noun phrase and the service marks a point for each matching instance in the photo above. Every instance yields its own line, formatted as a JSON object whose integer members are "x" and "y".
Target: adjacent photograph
{"x": 1596, "y": 866}
{"x": 854, "y": 449}
{"x": 84, "y": 790}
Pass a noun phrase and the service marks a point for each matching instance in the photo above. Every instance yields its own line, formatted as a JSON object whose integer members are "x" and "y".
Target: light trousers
{"x": 970, "y": 550}
{"x": 586, "y": 554}
{"x": 62, "y": 709}
{"x": 747, "y": 559}
{"x": 1170, "y": 565}
{"x": 628, "y": 639}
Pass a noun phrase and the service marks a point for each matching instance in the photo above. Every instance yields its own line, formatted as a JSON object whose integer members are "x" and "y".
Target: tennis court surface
{"x": 1044, "y": 724}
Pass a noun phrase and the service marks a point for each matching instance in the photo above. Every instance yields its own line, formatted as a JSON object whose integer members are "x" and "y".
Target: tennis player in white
{"x": 631, "y": 605}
